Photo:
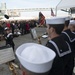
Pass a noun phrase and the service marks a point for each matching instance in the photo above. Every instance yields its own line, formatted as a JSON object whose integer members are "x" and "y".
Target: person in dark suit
{"x": 22, "y": 25}
{"x": 59, "y": 45}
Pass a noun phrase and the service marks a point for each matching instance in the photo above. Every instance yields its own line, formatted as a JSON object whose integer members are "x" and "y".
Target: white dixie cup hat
{"x": 35, "y": 57}
{"x": 55, "y": 20}
{"x": 72, "y": 22}
{"x": 67, "y": 18}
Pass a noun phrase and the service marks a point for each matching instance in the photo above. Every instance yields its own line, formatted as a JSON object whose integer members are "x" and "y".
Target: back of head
{"x": 72, "y": 25}
{"x": 67, "y": 21}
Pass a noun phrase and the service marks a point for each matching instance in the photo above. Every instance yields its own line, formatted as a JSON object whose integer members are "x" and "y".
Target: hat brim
{"x": 35, "y": 67}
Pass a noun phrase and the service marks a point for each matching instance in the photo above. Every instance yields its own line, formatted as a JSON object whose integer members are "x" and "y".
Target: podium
{"x": 33, "y": 33}
{"x": 6, "y": 54}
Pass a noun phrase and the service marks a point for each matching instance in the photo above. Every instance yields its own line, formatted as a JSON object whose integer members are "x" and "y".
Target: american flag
{"x": 41, "y": 19}
{"x": 52, "y": 13}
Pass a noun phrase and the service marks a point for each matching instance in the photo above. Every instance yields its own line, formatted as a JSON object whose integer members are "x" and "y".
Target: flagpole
{"x": 56, "y": 8}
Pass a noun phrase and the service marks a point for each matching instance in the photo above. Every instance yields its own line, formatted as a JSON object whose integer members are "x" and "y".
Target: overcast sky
{"x": 30, "y": 3}
{"x": 20, "y": 4}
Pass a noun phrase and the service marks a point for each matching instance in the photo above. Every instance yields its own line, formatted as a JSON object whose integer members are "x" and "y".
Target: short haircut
{"x": 67, "y": 23}
{"x": 58, "y": 28}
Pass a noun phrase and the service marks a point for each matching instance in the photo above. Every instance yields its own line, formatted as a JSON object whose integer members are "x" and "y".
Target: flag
{"x": 52, "y": 13}
{"x": 41, "y": 19}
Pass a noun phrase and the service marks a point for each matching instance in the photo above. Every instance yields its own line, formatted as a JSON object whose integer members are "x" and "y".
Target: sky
{"x": 21, "y": 4}
{"x": 30, "y": 3}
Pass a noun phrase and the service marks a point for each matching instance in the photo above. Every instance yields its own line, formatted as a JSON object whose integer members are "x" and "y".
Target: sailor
{"x": 67, "y": 32}
{"x": 62, "y": 49}
{"x": 72, "y": 28}
{"x": 35, "y": 59}
{"x": 72, "y": 25}
{"x": 9, "y": 38}
{"x": 70, "y": 38}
